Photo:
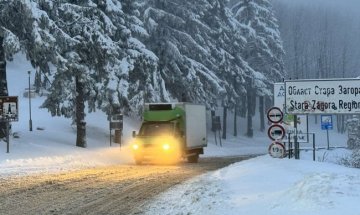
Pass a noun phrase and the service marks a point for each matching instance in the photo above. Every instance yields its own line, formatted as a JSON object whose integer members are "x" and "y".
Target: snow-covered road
{"x": 119, "y": 189}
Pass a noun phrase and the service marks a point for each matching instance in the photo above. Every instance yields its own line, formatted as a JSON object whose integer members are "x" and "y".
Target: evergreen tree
{"x": 39, "y": 35}
{"x": 185, "y": 43}
{"x": 100, "y": 66}
{"x": 264, "y": 51}
{"x": 3, "y": 83}
{"x": 15, "y": 22}
{"x": 133, "y": 76}
{"x": 84, "y": 60}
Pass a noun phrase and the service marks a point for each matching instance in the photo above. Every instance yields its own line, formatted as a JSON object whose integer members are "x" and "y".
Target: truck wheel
{"x": 193, "y": 158}
{"x": 138, "y": 160}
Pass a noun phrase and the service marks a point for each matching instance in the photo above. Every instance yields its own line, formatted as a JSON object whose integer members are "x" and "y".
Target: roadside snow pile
{"x": 265, "y": 185}
{"x": 69, "y": 162}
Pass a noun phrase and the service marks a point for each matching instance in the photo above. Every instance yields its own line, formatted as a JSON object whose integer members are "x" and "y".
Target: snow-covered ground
{"x": 262, "y": 185}
{"x": 265, "y": 185}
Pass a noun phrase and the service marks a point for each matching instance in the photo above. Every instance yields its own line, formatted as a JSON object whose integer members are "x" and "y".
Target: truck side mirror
{"x": 134, "y": 134}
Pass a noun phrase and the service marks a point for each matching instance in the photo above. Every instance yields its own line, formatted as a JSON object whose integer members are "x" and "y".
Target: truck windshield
{"x": 156, "y": 129}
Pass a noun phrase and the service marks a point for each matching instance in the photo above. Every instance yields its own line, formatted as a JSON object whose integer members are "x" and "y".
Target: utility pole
{"x": 30, "y": 121}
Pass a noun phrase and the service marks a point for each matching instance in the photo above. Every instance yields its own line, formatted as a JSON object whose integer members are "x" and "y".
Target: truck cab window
{"x": 155, "y": 129}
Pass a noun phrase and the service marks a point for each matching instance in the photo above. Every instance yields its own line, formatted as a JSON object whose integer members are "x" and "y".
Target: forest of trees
{"x": 321, "y": 40}
{"x": 117, "y": 54}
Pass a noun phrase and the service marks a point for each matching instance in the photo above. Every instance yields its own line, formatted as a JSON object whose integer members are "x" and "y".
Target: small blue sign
{"x": 326, "y": 122}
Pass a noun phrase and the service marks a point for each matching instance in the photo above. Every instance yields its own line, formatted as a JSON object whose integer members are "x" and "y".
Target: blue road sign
{"x": 326, "y": 122}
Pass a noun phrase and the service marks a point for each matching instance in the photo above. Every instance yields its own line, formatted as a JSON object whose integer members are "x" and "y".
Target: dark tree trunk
{"x": 235, "y": 120}
{"x": 262, "y": 113}
{"x": 250, "y": 109}
{"x": 3, "y": 84}
{"x": 343, "y": 123}
{"x": 212, "y": 120}
{"x": 268, "y": 103}
{"x": 37, "y": 81}
{"x": 80, "y": 114}
{"x": 224, "y": 123}
{"x": 250, "y": 132}
{"x": 338, "y": 123}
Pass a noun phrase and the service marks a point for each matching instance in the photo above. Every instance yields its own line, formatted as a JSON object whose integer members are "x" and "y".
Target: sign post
{"x": 326, "y": 124}
{"x": 296, "y": 142}
{"x": 9, "y": 112}
{"x": 116, "y": 123}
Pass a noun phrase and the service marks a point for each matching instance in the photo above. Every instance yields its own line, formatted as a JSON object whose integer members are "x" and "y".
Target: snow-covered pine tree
{"x": 186, "y": 48}
{"x": 38, "y": 34}
{"x": 264, "y": 51}
{"x": 84, "y": 64}
{"x": 99, "y": 66}
{"x": 19, "y": 21}
{"x": 3, "y": 82}
{"x": 234, "y": 70}
{"x": 133, "y": 77}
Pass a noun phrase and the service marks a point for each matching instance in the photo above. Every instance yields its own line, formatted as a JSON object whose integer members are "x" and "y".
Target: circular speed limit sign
{"x": 277, "y": 150}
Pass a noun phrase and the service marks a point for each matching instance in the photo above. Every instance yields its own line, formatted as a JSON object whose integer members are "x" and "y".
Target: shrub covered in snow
{"x": 353, "y": 128}
{"x": 353, "y": 160}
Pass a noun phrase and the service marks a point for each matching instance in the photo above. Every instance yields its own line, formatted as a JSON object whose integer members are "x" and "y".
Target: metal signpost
{"x": 116, "y": 123}
{"x": 30, "y": 120}
{"x": 9, "y": 112}
{"x": 326, "y": 124}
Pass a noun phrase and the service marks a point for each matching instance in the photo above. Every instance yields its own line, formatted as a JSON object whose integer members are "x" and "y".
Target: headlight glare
{"x": 135, "y": 146}
{"x": 166, "y": 146}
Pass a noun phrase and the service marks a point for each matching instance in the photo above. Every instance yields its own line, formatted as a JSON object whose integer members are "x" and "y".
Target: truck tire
{"x": 193, "y": 158}
{"x": 138, "y": 160}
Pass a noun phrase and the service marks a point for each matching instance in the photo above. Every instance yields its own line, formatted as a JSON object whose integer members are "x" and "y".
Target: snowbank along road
{"x": 122, "y": 189}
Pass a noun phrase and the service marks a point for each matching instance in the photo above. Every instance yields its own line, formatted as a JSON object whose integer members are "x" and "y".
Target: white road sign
{"x": 288, "y": 120}
{"x": 279, "y": 95}
{"x": 9, "y": 108}
{"x": 333, "y": 96}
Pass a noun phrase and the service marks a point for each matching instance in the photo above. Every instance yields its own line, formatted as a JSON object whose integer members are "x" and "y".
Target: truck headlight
{"x": 135, "y": 146}
{"x": 166, "y": 146}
